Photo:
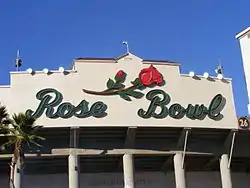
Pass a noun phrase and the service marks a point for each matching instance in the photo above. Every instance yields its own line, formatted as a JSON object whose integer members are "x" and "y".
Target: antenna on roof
{"x": 219, "y": 69}
{"x": 18, "y": 61}
{"x": 126, "y": 43}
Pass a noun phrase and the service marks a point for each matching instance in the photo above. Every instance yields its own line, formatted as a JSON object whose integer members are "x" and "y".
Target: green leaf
{"x": 110, "y": 84}
{"x": 118, "y": 86}
{"x": 136, "y": 81}
{"x": 135, "y": 94}
{"x": 140, "y": 86}
{"x": 117, "y": 79}
{"x": 124, "y": 96}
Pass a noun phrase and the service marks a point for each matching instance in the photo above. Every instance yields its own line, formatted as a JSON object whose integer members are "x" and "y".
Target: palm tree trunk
{"x": 13, "y": 164}
{"x": 12, "y": 168}
{"x": 18, "y": 171}
{"x": 18, "y": 174}
{"x": 16, "y": 166}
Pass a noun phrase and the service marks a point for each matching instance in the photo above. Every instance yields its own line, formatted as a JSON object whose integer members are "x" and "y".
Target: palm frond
{"x": 5, "y": 129}
{"x": 7, "y": 144}
{"x": 4, "y": 120}
{"x": 36, "y": 137}
{"x": 3, "y": 113}
{"x": 35, "y": 143}
{"x": 23, "y": 131}
{"x": 24, "y": 123}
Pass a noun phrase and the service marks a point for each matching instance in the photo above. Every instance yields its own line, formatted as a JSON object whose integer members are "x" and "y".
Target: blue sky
{"x": 52, "y": 33}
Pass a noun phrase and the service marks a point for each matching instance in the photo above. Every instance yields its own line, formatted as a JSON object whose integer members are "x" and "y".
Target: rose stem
{"x": 109, "y": 92}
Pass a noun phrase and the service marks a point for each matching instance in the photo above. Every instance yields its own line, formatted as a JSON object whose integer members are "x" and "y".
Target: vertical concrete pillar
{"x": 74, "y": 160}
{"x": 18, "y": 175}
{"x": 179, "y": 172}
{"x": 128, "y": 171}
{"x": 74, "y": 171}
{"x": 225, "y": 172}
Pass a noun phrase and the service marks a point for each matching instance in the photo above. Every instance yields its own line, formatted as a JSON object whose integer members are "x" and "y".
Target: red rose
{"x": 149, "y": 76}
{"x": 120, "y": 76}
{"x": 120, "y": 73}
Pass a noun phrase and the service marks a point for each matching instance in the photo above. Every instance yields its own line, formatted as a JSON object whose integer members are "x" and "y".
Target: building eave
{"x": 93, "y": 58}
{"x": 242, "y": 33}
{"x": 165, "y": 62}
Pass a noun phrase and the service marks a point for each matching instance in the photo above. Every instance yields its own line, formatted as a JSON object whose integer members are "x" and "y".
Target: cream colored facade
{"x": 93, "y": 74}
{"x": 171, "y": 146}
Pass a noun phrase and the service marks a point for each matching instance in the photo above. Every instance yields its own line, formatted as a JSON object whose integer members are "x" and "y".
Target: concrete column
{"x": 18, "y": 175}
{"x": 74, "y": 160}
{"x": 128, "y": 171}
{"x": 225, "y": 172}
{"x": 180, "y": 180}
{"x": 74, "y": 171}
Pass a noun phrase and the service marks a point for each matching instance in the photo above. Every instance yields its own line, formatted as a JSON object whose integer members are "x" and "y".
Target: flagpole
{"x": 127, "y": 47}
{"x": 126, "y": 43}
{"x": 219, "y": 69}
{"x": 220, "y": 66}
{"x": 17, "y": 61}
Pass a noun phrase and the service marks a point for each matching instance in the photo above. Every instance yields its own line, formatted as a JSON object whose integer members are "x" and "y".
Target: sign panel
{"x": 137, "y": 94}
{"x": 243, "y": 123}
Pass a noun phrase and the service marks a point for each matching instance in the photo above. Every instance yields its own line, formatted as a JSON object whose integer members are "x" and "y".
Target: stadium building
{"x": 129, "y": 122}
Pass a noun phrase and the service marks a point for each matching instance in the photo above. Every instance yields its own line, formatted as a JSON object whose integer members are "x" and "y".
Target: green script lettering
{"x": 156, "y": 101}
{"x": 52, "y": 105}
{"x": 159, "y": 99}
{"x": 65, "y": 110}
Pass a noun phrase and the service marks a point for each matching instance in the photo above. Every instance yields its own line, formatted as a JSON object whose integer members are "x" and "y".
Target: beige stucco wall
{"x": 21, "y": 94}
{"x": 143, "y": 180}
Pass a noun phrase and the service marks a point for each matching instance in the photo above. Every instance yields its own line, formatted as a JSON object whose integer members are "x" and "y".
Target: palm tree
{"x": 4, "y": 120}
{"x": 20, "y": 133}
